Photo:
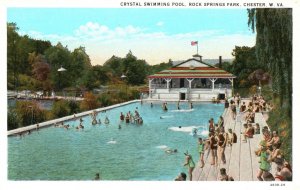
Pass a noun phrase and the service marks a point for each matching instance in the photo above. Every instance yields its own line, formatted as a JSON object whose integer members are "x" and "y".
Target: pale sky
{"x": 155, "y": 35}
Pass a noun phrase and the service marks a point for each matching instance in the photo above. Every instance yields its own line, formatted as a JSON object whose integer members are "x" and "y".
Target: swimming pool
{"x": 134, "y": 152}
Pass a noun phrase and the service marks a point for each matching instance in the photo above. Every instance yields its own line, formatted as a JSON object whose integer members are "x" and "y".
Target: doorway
{"x": 182, "y": 96}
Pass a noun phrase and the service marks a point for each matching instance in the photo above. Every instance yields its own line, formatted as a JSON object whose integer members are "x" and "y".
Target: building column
{"x": 168, "y": 80}
{"x": 190, "y": 87}
{"x": 232, "y": 92}
{"x": 190, "y": 82}
{"x": 150, "y": 89}
{"x": 213, "y": 80}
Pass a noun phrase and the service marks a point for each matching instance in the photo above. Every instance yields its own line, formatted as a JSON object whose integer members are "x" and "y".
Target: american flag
{"x": 193, "y": 43}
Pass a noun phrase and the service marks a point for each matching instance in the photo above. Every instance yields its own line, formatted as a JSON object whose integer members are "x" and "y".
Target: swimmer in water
{"x": 178, "y": 105}
{"x": 119, "y": 127}
{"x": 106, "y": 120}
{"x": 170, "y": 151}
{"x": 179, "y": 127}
{"x": 191, "y": 105}
{"x": 94, "y": 122}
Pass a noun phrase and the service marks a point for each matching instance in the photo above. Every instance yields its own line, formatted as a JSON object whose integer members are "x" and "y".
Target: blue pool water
{"x": 138, "y": 154}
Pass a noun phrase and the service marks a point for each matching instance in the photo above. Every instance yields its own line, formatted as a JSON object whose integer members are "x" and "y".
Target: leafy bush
{"x": 74, "y": 107}
{"x": 13, "y": 120}
{"x": 105, "y": 100}
{"x": 29, "y": 112}
{"x": 280, "y": 121}
{"x": 89, "y": 102}
{"x": 60, "y": 109}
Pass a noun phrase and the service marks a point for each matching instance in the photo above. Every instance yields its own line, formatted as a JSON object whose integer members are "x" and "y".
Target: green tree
{"x": 40, "y": 67}
{"x": 80, "y": 64}
{"x": 12, "y": 39}
{"x": 58, "y": 56}
{"x": 114, "y": 65}
{"x": 274, "y": 37}
{"x": 159, "y": 67}
{"x": 244, "y": 64}
{"x": 137, "y": 72}
{"x": 274, "y": 28}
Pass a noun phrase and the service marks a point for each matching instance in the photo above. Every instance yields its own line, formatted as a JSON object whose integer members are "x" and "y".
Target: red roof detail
{"x": 153, "y": 76}
{"x": 221, "y": 72}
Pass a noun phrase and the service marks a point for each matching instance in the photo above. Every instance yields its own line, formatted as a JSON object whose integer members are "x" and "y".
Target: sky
{"x": 155, "y": 35}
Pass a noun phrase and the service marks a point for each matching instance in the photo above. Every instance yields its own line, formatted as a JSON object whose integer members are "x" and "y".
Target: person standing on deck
{"x": 213, "y": 148}
{"x": 190, "y": 163}
{"x": 201, "y": 151}
{"x": 222, "y": 140}
{"x": 233, "y": 110}
{"x": 211, "y": 123}
{"x": 265, "y": 165}
{"x": 221, "y": 122}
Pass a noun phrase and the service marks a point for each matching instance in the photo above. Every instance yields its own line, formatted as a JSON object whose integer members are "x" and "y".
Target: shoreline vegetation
{"x": 34, "y": 65}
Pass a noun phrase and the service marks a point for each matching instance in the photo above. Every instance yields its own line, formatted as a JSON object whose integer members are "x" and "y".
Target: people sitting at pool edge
{"x": 215, "y": 100}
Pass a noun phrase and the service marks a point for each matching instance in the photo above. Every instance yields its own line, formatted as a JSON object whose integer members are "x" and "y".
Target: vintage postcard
{"x": 149, "y": 92}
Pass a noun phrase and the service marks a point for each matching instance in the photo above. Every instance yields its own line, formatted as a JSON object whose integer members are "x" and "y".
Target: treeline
{"x": 33, "y": 65}
{"x": 248, "y": 71}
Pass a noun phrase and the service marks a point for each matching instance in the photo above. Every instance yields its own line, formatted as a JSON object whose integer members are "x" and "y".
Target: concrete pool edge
{"x": 71, "y": 117}
{"x": 63, "y": 119}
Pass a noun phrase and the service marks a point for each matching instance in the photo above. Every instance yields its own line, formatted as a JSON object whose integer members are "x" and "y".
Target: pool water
{"x": 134, "y": 152}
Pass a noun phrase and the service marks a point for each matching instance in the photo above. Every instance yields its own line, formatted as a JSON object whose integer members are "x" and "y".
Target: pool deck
{"x": 241, "y": 162}
{"x": 64, "y": 119}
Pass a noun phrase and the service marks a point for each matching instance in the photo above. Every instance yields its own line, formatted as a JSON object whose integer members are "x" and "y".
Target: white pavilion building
{"x": 191, "y": 80}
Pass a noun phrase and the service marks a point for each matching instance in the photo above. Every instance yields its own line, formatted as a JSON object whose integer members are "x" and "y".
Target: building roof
{"x": 208, "y": 61}
{"x": 193, "y": 68}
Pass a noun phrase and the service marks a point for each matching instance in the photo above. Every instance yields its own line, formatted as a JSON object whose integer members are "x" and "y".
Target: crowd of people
{"x": 132, "y": 118}
{"x": 268, "y": 151}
